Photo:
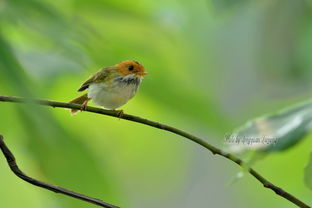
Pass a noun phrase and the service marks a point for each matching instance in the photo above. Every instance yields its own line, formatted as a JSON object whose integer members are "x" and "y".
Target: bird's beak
{"x": 142, "y": 73}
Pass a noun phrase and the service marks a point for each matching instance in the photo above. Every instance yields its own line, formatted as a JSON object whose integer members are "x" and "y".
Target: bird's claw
{"x": 84, "y": 105}
{"x": 120, "y": 113}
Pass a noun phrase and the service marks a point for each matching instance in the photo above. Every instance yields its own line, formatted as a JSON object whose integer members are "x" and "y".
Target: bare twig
{"x": 12, "y": 163}
{"x": 267, "y": 184}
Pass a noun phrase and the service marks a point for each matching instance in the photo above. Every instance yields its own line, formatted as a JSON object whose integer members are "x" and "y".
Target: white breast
{"x": 111, "y": 96}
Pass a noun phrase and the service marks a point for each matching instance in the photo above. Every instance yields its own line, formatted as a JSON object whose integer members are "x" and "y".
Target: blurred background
{"x": 212, "y": 64}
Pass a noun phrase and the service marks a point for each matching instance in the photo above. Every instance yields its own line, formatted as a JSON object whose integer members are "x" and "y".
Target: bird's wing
{"x": 99, "y": 76}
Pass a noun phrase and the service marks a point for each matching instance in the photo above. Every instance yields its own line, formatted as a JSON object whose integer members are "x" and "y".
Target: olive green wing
{"x": 97, "y": 77}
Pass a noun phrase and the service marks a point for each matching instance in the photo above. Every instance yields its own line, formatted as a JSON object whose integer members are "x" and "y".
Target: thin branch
{"x": 12, "y": 163}
{"x": 216, "y": 151}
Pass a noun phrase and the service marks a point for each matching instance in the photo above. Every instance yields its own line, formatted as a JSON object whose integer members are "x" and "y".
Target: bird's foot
{"x": 120, "y": 113}
{"x": 84, "y": 105}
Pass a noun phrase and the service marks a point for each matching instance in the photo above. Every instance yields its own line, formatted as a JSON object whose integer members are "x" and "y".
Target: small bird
{"x": 112, "y": 86}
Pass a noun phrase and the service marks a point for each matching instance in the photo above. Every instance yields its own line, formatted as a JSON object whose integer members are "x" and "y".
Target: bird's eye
{"x": 130, "y": 68}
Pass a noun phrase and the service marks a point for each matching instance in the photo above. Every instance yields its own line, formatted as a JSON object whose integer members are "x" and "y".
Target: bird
{"x": 111, "y": 87}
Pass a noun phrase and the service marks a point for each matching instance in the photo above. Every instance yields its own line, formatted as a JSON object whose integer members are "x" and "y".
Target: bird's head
{"x": 128, "y": 67}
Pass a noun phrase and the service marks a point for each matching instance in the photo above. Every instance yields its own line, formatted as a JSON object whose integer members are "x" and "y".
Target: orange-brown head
{"x": 127, "y": 67}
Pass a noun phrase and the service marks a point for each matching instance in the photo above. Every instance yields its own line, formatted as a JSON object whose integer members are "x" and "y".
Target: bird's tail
{"x": 79, "y": 100}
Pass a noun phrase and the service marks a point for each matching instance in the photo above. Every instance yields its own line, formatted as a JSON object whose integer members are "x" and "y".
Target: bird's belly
{"x": 110, "y": 97}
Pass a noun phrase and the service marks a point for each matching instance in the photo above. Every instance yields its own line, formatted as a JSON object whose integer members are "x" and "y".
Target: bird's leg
{"x": 84, "y": 104}
{"x": 120, "y": 113}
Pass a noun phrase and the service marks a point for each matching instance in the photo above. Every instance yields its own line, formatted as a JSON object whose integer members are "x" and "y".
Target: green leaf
{"x": 275, "y": 132}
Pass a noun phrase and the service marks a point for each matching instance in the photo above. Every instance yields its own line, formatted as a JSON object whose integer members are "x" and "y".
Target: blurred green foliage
{"x": 212, "y": 65}
{"x": 276, "y": 132}
{"x": 308, "y": 173}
